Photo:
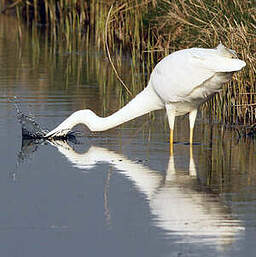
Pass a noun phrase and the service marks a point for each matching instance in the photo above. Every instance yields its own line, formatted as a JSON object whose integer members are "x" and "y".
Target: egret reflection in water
{"x": 178, "y": 205}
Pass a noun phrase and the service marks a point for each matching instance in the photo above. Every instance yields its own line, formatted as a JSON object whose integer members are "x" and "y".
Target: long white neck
{"x": 145, "y": 102}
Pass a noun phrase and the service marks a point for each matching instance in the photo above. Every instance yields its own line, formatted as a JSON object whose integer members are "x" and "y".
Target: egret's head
{"x": 86, "y": 117}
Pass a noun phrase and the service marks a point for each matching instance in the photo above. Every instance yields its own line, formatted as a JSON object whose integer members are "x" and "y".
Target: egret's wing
{"x": 178, "y": 74}
{"x": 216, "y": 63}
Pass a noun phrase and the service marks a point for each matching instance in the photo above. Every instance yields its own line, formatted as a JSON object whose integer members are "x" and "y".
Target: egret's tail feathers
{"x": 218, "y": 63}
{"x": 230, "y": 65}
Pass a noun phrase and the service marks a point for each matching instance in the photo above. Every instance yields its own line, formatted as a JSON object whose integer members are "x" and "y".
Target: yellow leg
{"x": 171, "y": 141}
{"x": 191, "y": 136}
{"x": 191, "y": 151}
{"x": 192, "y": 118}
{"x": 171, "y": 118}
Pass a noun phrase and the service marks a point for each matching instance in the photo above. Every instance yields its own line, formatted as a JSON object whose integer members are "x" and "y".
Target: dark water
{"x": 117, "y": 193}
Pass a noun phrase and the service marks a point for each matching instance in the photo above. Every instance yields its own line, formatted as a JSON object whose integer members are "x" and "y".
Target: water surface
{"x": 116, "y": 193}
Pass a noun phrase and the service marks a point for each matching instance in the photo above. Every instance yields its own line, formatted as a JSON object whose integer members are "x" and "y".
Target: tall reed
{"x": 151, "y": 29}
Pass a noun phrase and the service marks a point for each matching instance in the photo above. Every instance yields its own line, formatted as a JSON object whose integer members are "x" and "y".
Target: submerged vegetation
{"x": 151, "y": 29}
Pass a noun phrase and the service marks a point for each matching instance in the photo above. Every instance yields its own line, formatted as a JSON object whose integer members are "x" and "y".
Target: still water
{"x": 117, "y": 193}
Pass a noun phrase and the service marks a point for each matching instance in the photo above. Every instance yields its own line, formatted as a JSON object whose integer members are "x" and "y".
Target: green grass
{"x": 150, "y": 29}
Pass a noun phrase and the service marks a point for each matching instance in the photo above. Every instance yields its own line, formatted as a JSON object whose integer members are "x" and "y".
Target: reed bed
{"x": 150, "y": 29}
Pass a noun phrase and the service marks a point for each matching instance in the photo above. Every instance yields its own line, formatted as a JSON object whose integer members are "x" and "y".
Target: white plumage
{"x": 180, "y": 82}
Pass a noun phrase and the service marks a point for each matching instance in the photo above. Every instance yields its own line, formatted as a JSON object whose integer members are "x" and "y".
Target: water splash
{"x": 31, "y": 129}
{"x": 33, "y": 136}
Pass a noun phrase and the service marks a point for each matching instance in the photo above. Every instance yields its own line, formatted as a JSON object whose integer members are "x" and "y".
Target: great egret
{"x": 180, "y": 82}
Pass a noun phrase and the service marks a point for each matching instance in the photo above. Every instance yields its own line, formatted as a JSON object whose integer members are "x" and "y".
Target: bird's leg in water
{"x": 171, "y": 142}
{"x": 192, "y": 119}
{"x": 170, "y": 110}
{"x": 191, "y": 136}
{"x": 191, "y": 152}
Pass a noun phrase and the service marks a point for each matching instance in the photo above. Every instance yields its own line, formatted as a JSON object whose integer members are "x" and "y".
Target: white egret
{"x": 180, "y": 83}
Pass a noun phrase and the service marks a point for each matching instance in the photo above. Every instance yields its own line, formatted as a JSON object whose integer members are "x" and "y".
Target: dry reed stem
{"x": 108, "y": 53}
{"x": 10, "y": 6}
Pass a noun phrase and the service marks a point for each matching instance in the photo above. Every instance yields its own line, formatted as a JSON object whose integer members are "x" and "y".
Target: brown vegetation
{"x": 151, "y": 29}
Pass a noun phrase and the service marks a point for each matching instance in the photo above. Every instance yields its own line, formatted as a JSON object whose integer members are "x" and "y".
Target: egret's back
{"x": 180, "y": 73}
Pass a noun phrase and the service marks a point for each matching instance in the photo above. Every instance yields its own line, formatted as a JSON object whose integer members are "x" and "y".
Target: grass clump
{"x": 203, "y": 23}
